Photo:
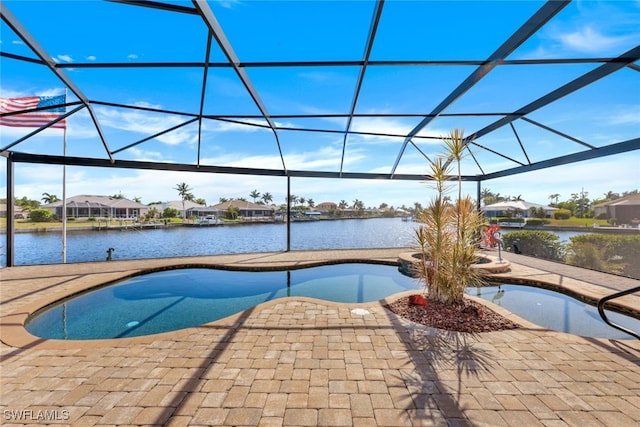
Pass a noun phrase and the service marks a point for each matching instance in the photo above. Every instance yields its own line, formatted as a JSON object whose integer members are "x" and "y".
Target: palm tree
{"x": 137, "y": 199}
{"x": 267, "y": 198}
{"x": 200, "y": 201}
{"x": 487, "y": 196}
{"x": 358, "y": 205}
{"x": 223, "y": 200}
{"x": 254, "y": 195}
{"x": 185, "y": 192}
{"x": 49, "y": 198}
{"x": 447, "y": 237}
{"x": 343, "y": 204}
{"x": 311, "y": 203}
{"x": 554, "y": 198}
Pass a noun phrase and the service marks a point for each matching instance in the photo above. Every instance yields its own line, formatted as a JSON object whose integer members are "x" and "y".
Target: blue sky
{"x": 605, "y": 112}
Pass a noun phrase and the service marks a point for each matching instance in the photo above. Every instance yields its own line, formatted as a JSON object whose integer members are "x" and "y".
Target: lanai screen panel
{"x": 363, "y": 87}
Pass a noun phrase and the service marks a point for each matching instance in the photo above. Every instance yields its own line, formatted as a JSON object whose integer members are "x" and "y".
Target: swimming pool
{"x": 181, "y": 298}
{"x": 556, "y": 311}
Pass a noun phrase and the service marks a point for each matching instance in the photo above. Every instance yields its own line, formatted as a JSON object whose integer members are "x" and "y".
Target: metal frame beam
{"x": 608, "y": 150}
{"x": 216, "y": 29}
{"x": 586, "y": 79}
{"x": 35, "y": 47}
{"x": 377, "y": 13}
{"x": 181, "y": 167}
{"x": 522, "y": 34}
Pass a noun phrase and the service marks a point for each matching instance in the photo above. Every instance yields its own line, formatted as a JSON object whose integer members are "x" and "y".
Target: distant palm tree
{"x": 343, "y": 204}
{"x": 358, "y": 205}
{"x": 554, "y": 197}
{"x": 223, "y": 200}
{"x": 137, "y": 199}
{"x": 49, "y": 198}
{"x": 200, "y": 201}
{"x": 185, "y": 192}
{"x": 254, "y": 195}
{"x": 311, "y": 203}
{"x": 267, "y": 198}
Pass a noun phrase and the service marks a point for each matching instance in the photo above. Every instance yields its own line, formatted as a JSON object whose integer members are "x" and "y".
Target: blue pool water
{"x": 556, "y": 311}
{"x": 182, "y": 298}
{"x": 176, "y": 299}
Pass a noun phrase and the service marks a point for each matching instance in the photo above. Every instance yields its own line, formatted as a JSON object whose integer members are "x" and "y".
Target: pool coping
{"x": 14, "y": 334}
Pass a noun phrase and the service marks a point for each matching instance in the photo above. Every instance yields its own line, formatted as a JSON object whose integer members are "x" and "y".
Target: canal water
{"x": 84, "y": 246}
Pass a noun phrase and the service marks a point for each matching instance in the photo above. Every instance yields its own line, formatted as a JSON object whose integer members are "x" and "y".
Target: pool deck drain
{"x": 300, "y": 361}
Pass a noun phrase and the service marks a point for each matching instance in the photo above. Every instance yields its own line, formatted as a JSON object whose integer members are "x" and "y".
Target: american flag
{"x": 34, "y": 119}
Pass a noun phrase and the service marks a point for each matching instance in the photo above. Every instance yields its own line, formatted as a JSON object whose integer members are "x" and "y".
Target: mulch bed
{"x": 467, "y": 316}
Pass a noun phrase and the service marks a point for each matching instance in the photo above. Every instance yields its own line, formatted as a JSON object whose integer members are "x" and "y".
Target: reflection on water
{"x": 554, "y": 310}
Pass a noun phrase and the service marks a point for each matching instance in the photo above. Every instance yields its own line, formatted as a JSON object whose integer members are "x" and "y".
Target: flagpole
{"x": 64, "y": 192}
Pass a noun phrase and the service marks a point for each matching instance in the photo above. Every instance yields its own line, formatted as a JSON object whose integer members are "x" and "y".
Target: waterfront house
{"x": 18, "y": 212}
{"x": 326, "y": 208}
{"x": 185, "y": 209}
{"x": 91, "y": 206}
{"x": 247, "y": 210}
{"x": 515, "y": 209}
{"x": 625, "y": 210}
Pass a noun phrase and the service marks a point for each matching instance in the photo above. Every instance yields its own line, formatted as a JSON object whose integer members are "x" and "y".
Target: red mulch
{"x": 467, "y": 316}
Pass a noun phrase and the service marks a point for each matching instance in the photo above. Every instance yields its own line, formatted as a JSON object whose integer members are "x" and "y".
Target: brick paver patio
{"x": 304, "y": 362}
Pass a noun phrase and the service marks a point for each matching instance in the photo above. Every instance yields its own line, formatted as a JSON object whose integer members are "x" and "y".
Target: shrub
{"x": 535, "y": 222}
{"x": 562, "y": 214}
{"x": 537, "y": 243}
{"x": 170, "y": 213}
{"x": 611, "y": 253}
{"x": 91, "y": 219}
{"x": 40, "y": 215}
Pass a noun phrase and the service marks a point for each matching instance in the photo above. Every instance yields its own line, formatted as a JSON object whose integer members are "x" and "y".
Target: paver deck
{"x": 304, "y": 362}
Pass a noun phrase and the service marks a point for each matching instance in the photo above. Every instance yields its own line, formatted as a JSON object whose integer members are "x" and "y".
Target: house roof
{"x": 630, "y": 200}
{"x": 177, "y": 204}
{"x": 242, "y": 204}
{"x": 93, "y": 200}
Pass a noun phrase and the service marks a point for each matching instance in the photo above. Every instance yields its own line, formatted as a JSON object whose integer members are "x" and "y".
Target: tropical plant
{"x": 267, "y": 198}
{"x": 49, "y": 198}
{"x": 185, "y": 193}
{"x": 232, "y": 212}
{"x": 254, "y": 195}
{"x": 448, "y": 236}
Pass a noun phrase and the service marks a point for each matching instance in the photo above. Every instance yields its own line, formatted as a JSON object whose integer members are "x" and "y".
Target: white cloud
{"x": 589, "y": 40}
{"x": 148, "y": 124}
{"x": 65, "y": 58}
{"x": 132, "y": 56}
{"x": 91, "y": 58}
